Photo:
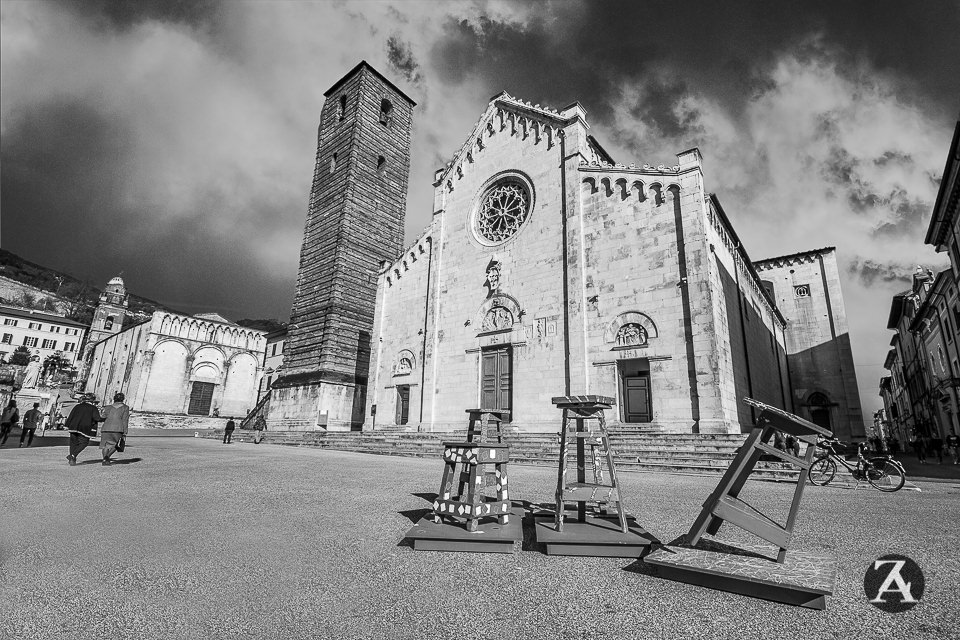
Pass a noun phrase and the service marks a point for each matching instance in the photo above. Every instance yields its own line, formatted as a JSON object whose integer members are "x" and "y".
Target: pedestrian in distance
{"x": 82, "y": 425}
{"x": 31, "y": 420}
{"x": 936, "y": 447}
{"x": 953, "y": 446}
{"x": 10, "y": 417}
{"x": 919, "y": 449}
{"x": 259, "y": 425}
{"x": 228, "y": 431}
{"x": 116, "y": 420}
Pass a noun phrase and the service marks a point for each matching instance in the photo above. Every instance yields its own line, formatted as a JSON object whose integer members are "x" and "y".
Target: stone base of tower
{"x": 315, "y": 405}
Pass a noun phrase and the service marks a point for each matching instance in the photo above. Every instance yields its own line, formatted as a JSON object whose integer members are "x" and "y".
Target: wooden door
{"x": 403, "y": 404}
{"x": 495, "y": 379}
{"x": 201, "y": 395}
{"x": 636, "y": 399}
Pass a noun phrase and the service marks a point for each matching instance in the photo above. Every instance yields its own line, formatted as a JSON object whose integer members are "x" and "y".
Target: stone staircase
{"x": 635, "y": 451}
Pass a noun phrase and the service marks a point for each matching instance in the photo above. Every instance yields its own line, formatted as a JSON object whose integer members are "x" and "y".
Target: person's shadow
{"x": 113, "y": 462}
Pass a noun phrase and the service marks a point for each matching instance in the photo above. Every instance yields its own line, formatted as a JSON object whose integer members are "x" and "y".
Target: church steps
{"x": 670, "y": 453}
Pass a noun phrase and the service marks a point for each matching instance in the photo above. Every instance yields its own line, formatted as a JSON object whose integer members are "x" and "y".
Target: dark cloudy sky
{"x": 175, "y": 141}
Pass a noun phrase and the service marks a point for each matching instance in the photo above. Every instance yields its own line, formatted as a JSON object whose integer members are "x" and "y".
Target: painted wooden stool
{"x": 472, "y": 465}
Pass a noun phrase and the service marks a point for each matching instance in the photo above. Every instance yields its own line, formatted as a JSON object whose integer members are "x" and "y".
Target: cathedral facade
{"x": 550, "y": 269}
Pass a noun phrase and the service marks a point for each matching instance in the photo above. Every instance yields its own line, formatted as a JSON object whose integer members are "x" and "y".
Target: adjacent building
{"x": 179, "y": 364}
{"x": 272, "y": 360}
{"x": 806, "y": 289}
{"x": 922, "y": 394}
{"x": 43, "y": 333}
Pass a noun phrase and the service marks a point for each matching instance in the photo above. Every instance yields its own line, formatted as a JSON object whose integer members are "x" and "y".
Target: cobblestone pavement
{"x": 201, "y": 540}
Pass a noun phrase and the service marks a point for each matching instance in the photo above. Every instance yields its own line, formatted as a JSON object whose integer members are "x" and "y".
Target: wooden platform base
{"x": 490, "y": 537}
{"x": 598, "y": 536}
{"x": 803, "y": 580}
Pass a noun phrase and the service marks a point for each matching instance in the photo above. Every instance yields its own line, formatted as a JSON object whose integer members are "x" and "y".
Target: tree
{"x": 54, "y": 364}
{"x": 21, "y": 356}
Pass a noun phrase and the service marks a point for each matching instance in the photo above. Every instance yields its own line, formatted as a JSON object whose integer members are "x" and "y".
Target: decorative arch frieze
{"x": 630, "y": 330}
{"x": 405, "y": 363}
{"x": 500, "y": 312}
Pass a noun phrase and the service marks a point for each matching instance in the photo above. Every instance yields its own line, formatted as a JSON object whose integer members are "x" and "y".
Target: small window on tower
{"x": 333, "y": 163}
{"x": 381, "y": 165}
{"x": 386, "y": 112}
{"x": 801, "y": 290}
{"x": 342, "y": 108}
{"x": 108, "y": 323}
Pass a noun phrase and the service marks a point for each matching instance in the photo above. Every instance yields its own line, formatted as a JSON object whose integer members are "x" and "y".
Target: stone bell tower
{"x": 354, "y": 222}
{"x": 110, "y": 313}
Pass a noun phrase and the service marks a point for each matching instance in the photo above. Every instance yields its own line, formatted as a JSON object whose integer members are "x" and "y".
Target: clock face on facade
{"x": 502, "y": 210}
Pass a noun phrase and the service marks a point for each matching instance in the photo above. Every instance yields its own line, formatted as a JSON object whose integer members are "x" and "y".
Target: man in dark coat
{"x": 82, "y": 425}
{"x": 228, "y": 431}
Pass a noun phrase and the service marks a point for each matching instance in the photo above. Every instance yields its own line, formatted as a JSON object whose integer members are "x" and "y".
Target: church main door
{"x": 495, "y": 378}
{"x": 201, "y": 394}
{"x": 635, "y": 388}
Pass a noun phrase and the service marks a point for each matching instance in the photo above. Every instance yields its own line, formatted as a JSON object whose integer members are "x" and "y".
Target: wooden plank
{"x": 783, "y": 455}
{"x": 562, "y": 401}
{"x": 739, "y": 513}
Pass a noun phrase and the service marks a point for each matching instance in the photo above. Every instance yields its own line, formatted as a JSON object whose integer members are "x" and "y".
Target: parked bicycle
{"x": 882, "y": 472}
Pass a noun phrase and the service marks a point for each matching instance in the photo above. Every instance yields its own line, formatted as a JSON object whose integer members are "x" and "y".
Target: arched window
{"x": 381, "y": 166}
{"x": 108, "y": 323}
{"x": 333, "y": 163}
{"x": 386, "y": 112}
{"x": 342, "y": 109}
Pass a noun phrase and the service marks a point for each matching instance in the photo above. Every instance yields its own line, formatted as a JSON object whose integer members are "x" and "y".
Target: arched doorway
{"x": 819, "y": 406}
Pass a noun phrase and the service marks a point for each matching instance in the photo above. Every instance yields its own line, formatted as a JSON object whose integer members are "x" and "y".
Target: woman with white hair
{"x": 116, "y": 418}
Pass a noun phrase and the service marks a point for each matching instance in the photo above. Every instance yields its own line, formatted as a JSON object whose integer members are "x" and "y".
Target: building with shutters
{"x": 547, "y": 269}
{"x": 179, "y": 364}
{"x": 44, "y": 334}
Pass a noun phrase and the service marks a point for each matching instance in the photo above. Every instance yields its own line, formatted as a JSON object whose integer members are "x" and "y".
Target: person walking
{"x": 82, "y": 425}
{"x": 919, "y": 448}
{"x": 259, "y": 425}
{"x": 31, "y": 420}
{"x": 936, "y": 447}
{"x": 228, "y": 431}
{"x": 10, "y": 417}
{"x": 116, "y": 419}
{"x": 953, "y": 446}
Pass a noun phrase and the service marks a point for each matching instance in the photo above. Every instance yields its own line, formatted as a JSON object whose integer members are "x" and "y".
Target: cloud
{"x": 401, "y": 60}
{"x": 870, "y": 271}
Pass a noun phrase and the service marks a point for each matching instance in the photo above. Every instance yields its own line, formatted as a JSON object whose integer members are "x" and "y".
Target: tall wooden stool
{"x": 481, "y": 464}
{"x": 577, "y": 410}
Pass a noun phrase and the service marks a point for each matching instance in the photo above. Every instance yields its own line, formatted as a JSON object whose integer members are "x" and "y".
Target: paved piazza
{"x": 201, "y": 540}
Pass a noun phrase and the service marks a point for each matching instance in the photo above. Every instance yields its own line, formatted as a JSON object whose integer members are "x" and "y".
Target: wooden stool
{"x": 475, "y": 456}
{"x": 576, "y": 411}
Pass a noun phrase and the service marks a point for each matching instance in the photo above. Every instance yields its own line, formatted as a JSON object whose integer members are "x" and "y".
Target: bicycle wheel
{"x": 887, "y": 476}
{"x": 822, "y": 471}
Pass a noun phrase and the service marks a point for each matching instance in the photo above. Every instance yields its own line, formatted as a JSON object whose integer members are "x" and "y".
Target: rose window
{"x": 503, "y": 211}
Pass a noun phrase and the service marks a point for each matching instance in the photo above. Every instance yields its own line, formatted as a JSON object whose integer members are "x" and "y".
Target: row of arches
{"x": 193, "y": 329}
{"x": 637, "y": 190}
